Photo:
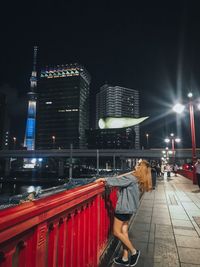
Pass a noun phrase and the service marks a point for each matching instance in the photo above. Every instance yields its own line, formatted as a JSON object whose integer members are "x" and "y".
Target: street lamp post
{"x": 53, "y": 140}
{"x": 114, "y": 167}
{"x": 173, "y": 140}
{"x": 173, "y": 151}
{"x": 14, "y": 142}
{"x": 147, "y": 137}
{"x": 193, "y": 136}
{"x": 97, "y": 162}
{"x": 179, "y": 109}
{"x": 192, "y": 127}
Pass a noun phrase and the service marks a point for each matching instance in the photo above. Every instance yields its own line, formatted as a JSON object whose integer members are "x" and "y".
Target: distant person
{"x": 153, "y": 174}
{"x": 158, "y": 170}
{"x": 127, "y": 204}
{"x": 163, "y": 167}
{"x": 197, "y": 167}
{"x": 168, "y": 170}
{"x": 175, "y": 169}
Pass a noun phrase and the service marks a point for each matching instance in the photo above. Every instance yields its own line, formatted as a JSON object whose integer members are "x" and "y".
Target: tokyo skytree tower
{"x": 29, "y": 140}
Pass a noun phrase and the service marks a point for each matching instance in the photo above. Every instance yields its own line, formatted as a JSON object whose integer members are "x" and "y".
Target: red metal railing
{"x": 188, "y": 174}
{"x": 68, "y": 229}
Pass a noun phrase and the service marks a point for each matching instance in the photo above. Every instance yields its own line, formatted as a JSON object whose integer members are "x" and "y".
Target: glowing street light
{"x": 167, "y": 140}
{"x": 178, "y": 108}
{"x": 165, "y": 155}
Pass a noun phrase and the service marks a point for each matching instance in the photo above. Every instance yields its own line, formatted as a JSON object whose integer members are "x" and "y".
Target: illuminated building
{"x": 118, "y": 102}
{"x": 29, "y": 140}
{"x": 63, "y": 107}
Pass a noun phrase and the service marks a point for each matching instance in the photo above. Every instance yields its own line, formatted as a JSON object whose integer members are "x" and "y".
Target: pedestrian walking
{"x": 153, "y": 174}
{"x": 127, "y": 205}
{"x": 163, "y": 168}
{"x": 158, "y": 170}
{"x": 168, "y": 170}
{"x": 197, "y": 168}
{"x": 175, "y": 169}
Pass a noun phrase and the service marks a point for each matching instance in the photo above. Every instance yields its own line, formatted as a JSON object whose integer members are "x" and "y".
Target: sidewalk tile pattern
{"x": 167, "y": 226}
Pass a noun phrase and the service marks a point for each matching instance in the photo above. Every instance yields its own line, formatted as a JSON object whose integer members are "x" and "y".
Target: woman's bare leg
{"x": 118, "y": 231}
{"x": 125, "y": 232}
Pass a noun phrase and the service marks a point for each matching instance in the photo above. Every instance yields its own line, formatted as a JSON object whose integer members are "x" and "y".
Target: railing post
{"x": 22, "y": 254}
{"x": 52, "y": 243}
{"x": 40, "y": 256}
{"x": 69, "y": 240}
{"x": 76, "y": 232}
{"x": 62, "y": 242}
{"x": 81, "y": 227}
{"x": 7, "y": 258}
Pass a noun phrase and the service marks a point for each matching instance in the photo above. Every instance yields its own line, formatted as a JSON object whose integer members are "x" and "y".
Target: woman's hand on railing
{"x": 29, "y": 198}
{"x": 100, "y": 180}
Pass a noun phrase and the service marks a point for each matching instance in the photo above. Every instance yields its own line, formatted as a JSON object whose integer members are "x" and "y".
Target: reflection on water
{"x": 10, "y": 189}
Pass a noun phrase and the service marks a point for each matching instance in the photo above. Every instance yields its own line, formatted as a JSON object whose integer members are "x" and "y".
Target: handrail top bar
{"x": 70, "y": 198}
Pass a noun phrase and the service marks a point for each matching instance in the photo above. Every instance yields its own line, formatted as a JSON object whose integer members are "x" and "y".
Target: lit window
{"x": 48, "y": 103}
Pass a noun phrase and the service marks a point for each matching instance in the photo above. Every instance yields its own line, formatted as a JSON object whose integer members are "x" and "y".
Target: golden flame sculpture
{"x": 114, "y": 123}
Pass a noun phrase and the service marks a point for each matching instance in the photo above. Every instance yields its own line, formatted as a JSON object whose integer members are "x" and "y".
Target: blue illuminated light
{"x": 29, "y": 141}
{"x": 30, "y": 128}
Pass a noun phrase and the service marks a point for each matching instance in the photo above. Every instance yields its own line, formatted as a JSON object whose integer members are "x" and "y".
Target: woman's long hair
{"x": 143, "y": 173}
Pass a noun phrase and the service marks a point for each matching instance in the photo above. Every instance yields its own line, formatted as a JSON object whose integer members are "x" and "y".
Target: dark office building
{"x": 62, "y": 107}
{"x": 123, "y": 138}
{"x": 4, "y": 123}
{"x": 117, "y": 102}
{"x": 2, "y": 118}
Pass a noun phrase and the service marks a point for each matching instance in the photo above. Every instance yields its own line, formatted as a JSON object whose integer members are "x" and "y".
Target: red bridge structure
{"x": 71, "y": 228}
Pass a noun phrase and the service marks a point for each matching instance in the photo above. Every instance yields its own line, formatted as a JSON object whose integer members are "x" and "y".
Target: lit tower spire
{"x": 29, "y": 140}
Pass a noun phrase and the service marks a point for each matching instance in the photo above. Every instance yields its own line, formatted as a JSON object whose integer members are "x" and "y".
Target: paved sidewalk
{"x": 167, "y": 226}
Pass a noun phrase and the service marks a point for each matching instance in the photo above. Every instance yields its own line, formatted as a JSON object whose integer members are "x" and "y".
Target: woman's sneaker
{"x": 119, "y": 261}
{"x": 134, "y": 258}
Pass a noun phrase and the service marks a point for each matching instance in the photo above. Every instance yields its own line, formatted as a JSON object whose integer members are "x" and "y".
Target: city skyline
{"x": 152, "y": 48}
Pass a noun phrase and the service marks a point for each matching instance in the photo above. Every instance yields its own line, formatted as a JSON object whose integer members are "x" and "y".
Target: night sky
{"x": 150, "y": 46}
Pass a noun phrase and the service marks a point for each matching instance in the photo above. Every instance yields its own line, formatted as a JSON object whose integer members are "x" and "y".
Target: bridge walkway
{"x": 167, "y": 226}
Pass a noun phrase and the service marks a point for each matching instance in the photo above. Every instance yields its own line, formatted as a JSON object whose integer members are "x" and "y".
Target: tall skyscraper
{"x": 29, "y": 140}
{"x": 116, "y": 101}
{"x": 63, "y": 107}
